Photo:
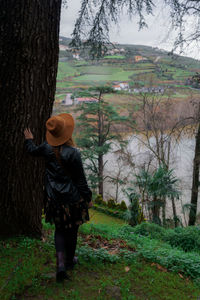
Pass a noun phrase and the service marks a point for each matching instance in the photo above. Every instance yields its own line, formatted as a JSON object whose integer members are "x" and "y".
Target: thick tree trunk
{"x": 29, "y": 36}
{"x": 195, "y": 180}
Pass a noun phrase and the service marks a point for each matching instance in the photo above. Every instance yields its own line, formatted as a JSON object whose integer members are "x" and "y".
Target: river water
{"x": 181, "y": 158}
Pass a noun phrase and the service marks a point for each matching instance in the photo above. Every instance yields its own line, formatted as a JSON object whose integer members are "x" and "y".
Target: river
{"x": 181, "y": 162}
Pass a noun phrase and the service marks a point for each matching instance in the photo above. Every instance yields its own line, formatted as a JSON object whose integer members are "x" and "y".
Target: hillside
{"x": 142, "y": 69}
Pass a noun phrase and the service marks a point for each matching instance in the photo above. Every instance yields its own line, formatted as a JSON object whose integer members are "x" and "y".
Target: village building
{"x": 68, "y": 100}
{"x": 121, "y": 86}
{"x": 63, "y": 47}
{"x": 156, "y": 90}
{"x": 81, "y": 100}
{"x": 138, "y": 58}
{"x": 76, "y": 55}
{"x": 117, "y": 87}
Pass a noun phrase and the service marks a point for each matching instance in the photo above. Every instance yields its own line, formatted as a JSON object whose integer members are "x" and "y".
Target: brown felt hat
{"x": 59, "y": 129}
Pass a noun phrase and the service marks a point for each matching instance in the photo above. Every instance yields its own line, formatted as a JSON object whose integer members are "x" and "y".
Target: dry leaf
{"x": 180, "y": 275}
{"x": 127, "y": 269}
{"x": 113, "y": 252}
{"x": 161, "y": 268}
{"x": 87, "y": 237}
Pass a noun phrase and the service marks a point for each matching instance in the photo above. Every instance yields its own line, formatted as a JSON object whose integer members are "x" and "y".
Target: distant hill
{"x": 137, "y": 67}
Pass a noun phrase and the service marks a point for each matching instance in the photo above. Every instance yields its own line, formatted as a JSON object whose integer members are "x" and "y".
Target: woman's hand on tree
{"x": 28, "y": 134}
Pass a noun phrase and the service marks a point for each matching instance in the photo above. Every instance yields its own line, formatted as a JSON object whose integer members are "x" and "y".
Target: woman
{"x": 67, "y": 195}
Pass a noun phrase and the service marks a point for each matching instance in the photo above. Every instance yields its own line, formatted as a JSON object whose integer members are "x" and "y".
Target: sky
{"x": 158, "y": 34}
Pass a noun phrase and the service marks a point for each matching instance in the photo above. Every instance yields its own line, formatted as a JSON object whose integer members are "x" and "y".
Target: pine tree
{"x": 99, "y": 126}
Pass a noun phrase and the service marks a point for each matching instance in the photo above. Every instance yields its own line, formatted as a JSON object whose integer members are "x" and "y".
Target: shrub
{"x": 111, "y": 203}
{"x": 118, "y": 205}
{"x": 98, "y": 199}
{"x": 123, "y": 206}
{"x": 187, "y": 238}
{"x": 104, "y": 203}
{"x": 109, "y": 211}
{"x": 134, "y": 215}
{"x": 150, "y": 229}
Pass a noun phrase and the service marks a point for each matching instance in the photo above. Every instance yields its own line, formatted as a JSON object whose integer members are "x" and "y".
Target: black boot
{"x": 61, "y": 270}
{"x": 69, "y": 265}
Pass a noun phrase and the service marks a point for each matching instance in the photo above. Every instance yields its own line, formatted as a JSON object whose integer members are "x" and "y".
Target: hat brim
{"x": 65, "y": 134}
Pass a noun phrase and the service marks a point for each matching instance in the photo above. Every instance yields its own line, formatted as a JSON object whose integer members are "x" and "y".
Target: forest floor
{"x": 27, "y": 269}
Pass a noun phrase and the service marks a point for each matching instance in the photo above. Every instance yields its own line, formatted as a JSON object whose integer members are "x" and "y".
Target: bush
{"x": 123, "y": 206}
{"x": 104, "y": 203}
{"x": 109, "y": 211}
{"x": 98, "y": 199}
{"x": 187, "y": 238}
{"x": 111, "y": 203}
{"x": 134, "y": 215}
{"x": 150, "y": 229}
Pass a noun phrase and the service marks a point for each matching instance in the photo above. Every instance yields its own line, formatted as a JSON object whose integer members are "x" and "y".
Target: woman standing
{"x": 67, "y": 195}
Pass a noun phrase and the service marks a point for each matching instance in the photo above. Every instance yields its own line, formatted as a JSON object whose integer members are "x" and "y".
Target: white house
{"x": 68, "y": 100}
{"x": 117, "y": 87}
{"x": 124, "y": 85}
{"x": 63, "y": 47}
{"x": 121, "y": 86}
{"x": 76, "y": 55}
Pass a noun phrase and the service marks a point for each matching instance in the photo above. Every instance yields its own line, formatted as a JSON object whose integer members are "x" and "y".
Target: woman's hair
{"x": 56, "y": 149}
{"x": 70, "y": 142}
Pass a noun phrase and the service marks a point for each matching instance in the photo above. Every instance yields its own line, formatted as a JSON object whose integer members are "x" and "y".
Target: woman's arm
{"x": 30, "y": 145}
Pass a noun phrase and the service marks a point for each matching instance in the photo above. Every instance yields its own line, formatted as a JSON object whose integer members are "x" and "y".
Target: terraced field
{"x": 158, "y": 69}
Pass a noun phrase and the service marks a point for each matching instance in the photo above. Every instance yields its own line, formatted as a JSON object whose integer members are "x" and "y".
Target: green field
{"x": 114, "y": 57}
{"x": 164, "y": 71}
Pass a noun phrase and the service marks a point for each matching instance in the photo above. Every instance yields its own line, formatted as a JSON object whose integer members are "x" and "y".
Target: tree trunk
{"x": 164, "y": 212}
{"x": 156, "y": 211}
{"x": 174, "y": 213}
{"x": 29, "y": 45}
{"x": 195, "y": 180}
{"x": 100, "y": 167}
{"x": 100, "y": 144}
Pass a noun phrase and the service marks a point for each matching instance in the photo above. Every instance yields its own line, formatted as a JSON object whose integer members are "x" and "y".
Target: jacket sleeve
{"x": 32, "y": 149}
{"x": 79, "y": 178}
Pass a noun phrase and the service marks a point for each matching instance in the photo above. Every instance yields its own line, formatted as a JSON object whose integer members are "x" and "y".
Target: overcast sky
{"x": 158, "y": 33}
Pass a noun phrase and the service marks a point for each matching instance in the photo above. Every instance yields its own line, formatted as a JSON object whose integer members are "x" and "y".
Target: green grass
{"x": 97, "y": 217}
{"x": 114, "y": 56}
{"x": 66, "y": 69}
{"x": 28, "y": 270}
{"x": 69, "y": 72}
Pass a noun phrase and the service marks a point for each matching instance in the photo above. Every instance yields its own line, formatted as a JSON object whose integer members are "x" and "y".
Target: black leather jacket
{"x": 64, "y": 180}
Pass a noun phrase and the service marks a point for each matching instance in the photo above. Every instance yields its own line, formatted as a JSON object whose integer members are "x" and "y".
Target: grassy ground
{"x": 28, "y": 270}
{"x": 98, "y": 217}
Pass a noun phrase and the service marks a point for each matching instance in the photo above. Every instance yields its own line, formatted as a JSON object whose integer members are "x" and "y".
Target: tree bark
{"x": 156, "y": 211}
{"x": 174, "y": 213}
{"x": 29, "y": 45}
{"x": 195, "y": 180}
{"x": 164, "y": 212}
{"x": 100, "y": 167}
{"x": 100, "y": 144}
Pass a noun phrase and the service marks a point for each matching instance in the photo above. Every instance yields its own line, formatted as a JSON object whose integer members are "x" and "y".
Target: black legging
{"x": 65, "y": 241}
